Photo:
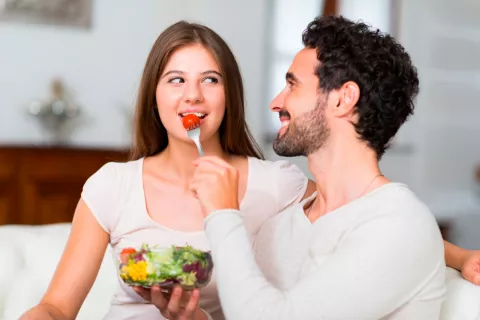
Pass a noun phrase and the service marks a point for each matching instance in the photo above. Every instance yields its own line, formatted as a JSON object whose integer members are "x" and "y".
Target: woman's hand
{"x": 471, "y": 268}
{"x": 177, "y": 304}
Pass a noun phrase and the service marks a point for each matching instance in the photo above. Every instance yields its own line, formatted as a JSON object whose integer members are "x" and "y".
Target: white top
{"x": 115, "y": 195}
{"x": 379, "y": 257}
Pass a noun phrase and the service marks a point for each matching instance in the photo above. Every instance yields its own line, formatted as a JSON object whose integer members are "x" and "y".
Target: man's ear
{"x": 348, "y": 96}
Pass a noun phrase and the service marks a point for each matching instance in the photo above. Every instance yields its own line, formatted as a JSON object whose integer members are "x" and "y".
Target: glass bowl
{"x": 165, "y": 266}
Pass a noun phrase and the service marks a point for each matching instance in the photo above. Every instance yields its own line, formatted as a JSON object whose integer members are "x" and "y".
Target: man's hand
{"x": 175, "y": 305}
{"x": 215, "y": 184}
{"x": 471, "y": 268}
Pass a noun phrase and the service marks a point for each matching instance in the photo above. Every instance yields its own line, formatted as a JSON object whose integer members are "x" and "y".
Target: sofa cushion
{"x": 462, "y": 301}
{"x": 30, "y": 255}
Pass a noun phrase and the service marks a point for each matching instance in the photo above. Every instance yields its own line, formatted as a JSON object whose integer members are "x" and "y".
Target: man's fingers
{"x": 209, "y": 167}
{"x": 212, "y": 160}
{"x": 472, "y": 275}
{"x": 198, "y": 180}
{"x": 476, "y": 279}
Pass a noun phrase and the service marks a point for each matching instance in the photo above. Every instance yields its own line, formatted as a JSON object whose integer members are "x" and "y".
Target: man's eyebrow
{"x": 289, "y": 76}
{"x": 181, "y": 72}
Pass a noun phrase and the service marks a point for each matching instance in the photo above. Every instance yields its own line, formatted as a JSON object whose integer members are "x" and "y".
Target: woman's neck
{"x": 179, "y": 156}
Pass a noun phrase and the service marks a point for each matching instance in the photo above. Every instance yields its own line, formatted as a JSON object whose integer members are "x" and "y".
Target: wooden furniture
{"x": 41, "y": 185}
{"x": 330, "y": 8}
{"x": 445, "y": 229}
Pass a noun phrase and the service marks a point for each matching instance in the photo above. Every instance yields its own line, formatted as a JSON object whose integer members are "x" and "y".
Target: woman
{"x": 190, "y": 69}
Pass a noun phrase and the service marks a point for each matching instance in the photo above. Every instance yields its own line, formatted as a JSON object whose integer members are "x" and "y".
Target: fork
{"x": 194, "y": 134}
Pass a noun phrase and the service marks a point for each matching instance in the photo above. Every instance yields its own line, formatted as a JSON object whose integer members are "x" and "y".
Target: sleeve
{"x": 101, "y": 195}
{"x": 370, "y": 276}
{"x": 290, "y": 184}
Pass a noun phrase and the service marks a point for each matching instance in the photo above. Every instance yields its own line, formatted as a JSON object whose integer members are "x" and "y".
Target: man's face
{"x": 301, "y": 108}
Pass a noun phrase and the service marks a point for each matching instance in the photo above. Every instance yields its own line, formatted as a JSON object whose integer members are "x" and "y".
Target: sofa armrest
{"x": 462, "y": 301}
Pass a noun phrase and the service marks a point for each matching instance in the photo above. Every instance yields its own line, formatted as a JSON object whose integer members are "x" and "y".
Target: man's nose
{"x": 277, "y": 103}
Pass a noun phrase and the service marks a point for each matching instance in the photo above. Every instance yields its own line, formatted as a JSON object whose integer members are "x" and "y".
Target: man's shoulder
{"x": 399, "y": 199}
{"x": 284, "y": 180}
{"x": 399, "y": 209}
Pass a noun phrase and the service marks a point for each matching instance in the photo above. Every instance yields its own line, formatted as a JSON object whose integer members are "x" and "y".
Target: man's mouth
{"x": 284, "y": 118}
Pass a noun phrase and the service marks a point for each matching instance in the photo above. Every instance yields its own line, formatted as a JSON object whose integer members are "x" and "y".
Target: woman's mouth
{"x": 202, "y": 116}
{"x": 198, "y": 114}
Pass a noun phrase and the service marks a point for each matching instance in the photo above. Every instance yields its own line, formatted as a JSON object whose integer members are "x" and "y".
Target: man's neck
{"x": 343, "y": 173}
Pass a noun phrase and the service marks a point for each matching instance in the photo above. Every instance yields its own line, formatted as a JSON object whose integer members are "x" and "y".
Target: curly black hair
{"x": 388, "y": 82}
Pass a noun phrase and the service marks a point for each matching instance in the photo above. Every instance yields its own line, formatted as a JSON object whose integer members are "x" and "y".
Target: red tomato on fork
{"x": 191, "y": 121}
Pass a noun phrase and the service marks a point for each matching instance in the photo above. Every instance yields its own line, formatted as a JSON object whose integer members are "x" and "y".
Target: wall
{"x": 445, "y": 130}
{"x": 103, "y": 65}
{"x": 373, "y": 12}
{"x": 436, "y": 150}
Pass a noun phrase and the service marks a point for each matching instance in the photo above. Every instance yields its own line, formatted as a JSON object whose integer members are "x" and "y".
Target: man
{"x": 362, "y": 248}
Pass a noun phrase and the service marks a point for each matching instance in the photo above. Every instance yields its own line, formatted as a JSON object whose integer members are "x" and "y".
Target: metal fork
{"x": 195, "y": 136}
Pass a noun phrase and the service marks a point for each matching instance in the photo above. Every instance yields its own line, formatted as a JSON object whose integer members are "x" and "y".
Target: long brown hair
{"x": 150, "y": 136}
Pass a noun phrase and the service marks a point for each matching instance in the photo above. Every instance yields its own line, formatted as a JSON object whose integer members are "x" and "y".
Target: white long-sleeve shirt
{"x": 378, "y": 257}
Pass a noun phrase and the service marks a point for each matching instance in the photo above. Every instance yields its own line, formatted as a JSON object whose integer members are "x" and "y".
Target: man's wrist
{"x": 215, "y": 213}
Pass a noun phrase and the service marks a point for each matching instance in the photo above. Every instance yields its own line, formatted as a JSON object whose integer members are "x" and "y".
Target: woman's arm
{"x": 75, "y": 275}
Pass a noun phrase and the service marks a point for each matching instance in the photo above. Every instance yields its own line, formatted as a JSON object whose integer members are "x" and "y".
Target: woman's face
{"x": 191, "y": 83}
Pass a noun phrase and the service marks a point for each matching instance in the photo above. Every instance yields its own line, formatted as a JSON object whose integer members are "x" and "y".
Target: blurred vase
{"x": 57, "y": 116}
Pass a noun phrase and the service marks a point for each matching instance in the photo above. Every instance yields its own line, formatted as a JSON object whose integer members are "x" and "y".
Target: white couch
{"x": 29, "y": 254}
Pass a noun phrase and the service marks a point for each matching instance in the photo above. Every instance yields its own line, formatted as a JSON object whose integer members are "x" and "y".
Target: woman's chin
{"x": 204, "y": 138}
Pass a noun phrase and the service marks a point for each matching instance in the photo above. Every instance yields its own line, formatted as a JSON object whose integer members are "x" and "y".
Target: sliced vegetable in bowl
{"x": 166, "y": 266}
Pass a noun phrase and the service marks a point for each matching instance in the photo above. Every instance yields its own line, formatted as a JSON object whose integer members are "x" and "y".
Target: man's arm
{"x": 465, "y": 261}
{"x": 370, "y": 276}
{"x": 455, "y": 256}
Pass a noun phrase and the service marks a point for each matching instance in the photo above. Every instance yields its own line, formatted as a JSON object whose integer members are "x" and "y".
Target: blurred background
{"x": 83, "y": 60}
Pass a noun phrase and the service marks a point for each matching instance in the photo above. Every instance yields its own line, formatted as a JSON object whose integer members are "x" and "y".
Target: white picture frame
{"x": 67, "y": 13}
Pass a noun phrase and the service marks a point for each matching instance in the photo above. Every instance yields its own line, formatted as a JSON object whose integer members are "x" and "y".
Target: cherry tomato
{"x": 125, "y": 254}
{"x": 191, "y": 121}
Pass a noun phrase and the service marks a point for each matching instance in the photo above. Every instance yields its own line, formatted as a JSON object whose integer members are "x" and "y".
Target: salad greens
{"x": 185, "y": 266}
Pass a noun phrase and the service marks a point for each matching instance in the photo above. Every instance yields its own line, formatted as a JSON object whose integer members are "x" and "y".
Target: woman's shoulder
{"x": 112, "y": 168}
{"x": 283, "y": 179}
{"x": 276, "y": 168}
{"x": 105, "y": 190}
{"x": 112, "y": 175}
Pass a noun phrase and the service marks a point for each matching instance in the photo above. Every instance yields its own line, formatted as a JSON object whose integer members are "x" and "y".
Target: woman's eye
{"x": 176, "y": 80}
{"x": 211, "y": 80}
